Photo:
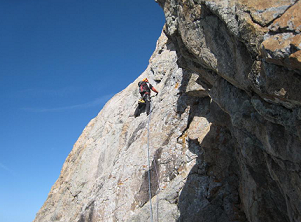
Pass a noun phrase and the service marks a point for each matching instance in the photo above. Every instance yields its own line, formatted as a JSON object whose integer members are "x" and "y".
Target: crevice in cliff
{"x": 135, "y": 135}
{"x": 142, "y": 196}
{"x": 88, "y": 216}
{"x": 283, "y": 31}
{"x": 255, "y": 21}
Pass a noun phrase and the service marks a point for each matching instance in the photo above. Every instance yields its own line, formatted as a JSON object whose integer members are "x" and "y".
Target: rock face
{"x": 224, "y": 131}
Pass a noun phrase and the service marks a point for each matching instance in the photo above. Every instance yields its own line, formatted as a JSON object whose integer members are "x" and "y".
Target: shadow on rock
{"x": 142, "y": 197}
{"x": 211, "y": 189}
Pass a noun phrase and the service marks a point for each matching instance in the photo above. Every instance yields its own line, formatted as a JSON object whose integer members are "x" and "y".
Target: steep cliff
{"x": 224, "y": 132}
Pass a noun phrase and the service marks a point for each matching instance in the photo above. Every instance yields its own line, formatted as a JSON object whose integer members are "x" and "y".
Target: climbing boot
{"x": 141, "y": 101}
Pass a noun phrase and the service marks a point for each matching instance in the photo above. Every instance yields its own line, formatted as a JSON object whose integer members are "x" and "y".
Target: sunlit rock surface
{"x": 224, "y": 132}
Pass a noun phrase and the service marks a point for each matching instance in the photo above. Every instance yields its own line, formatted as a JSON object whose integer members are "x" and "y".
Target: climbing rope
{"x": 158, "y": 191}
{"x": 149, "y": 175}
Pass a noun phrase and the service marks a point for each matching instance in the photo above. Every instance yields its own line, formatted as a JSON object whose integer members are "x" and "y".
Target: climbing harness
{"x": 149, "y": 175}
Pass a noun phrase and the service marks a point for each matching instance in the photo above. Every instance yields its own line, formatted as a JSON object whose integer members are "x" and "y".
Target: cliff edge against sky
{"x": 225, "y": 129}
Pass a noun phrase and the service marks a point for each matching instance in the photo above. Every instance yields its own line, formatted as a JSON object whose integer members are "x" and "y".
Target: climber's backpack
{"x": 143, "y": 87}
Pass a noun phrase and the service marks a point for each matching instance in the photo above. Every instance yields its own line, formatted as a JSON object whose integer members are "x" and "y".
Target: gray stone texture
{"x": 225, "y": 128}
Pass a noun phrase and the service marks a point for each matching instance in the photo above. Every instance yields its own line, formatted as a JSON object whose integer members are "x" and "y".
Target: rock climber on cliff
{"x": 145, "y": 90}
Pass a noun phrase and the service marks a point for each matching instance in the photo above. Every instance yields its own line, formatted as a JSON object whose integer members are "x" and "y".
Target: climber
{"x": 144, "y": 102}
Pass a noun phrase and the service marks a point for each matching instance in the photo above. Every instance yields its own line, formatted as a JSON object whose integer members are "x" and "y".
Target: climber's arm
{"x": 153, "y": 88}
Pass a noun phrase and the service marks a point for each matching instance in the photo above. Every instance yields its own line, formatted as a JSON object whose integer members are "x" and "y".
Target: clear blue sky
{"x": 60, "y": 61}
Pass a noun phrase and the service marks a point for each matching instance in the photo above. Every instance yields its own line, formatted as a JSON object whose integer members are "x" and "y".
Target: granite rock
{"x": 224, "y": 131}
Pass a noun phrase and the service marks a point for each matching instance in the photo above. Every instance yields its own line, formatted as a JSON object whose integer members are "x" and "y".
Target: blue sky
{"x": 60, "y": 61}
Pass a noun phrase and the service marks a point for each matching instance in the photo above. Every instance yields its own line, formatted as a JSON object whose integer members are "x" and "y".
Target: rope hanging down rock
{"x": 149, "y": 175}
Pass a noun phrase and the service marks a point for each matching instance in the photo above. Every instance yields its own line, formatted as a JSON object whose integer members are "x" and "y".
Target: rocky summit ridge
{"x": 224, "y": 131}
